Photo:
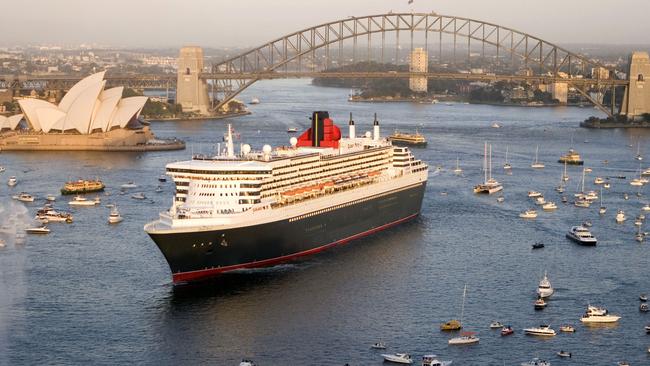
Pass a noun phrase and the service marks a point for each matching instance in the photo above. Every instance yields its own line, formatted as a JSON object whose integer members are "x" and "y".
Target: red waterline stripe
{"x": 205, "y": 273}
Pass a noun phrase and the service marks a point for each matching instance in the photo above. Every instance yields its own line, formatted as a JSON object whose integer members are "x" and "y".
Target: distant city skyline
{"x": 245, "y": 23}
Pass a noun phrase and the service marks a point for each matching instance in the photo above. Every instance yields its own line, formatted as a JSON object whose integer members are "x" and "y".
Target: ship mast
{"x": 229, "y": 144}
{"x": 485, "y": 161}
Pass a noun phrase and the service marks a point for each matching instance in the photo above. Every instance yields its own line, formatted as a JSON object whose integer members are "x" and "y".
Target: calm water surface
{"x": 90, "y": 293}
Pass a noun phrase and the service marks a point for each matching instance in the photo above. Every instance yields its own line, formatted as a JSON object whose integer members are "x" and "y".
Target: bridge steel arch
{"x": 287, "y": 56}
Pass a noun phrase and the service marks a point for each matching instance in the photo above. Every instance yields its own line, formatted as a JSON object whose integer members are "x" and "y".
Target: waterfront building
{"x": 419, "y": 63}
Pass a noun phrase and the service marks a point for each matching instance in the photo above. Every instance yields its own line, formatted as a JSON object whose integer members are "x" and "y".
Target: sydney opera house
{"x": 89, "y": 117}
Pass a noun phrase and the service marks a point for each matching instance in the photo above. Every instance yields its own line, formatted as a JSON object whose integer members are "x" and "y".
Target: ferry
{"x": 82, "y": 186}
{"x": 582, "y": 236}
{"x": 259, "y": 208}
{"x": 401, "y": 138}
{"x": 571, "y": 158}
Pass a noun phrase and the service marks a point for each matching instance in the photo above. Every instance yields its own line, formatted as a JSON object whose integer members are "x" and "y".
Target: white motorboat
{"x": 598, "y": 315}
{"x": 247, "y": 362}
{"x": 489, "y": 185}
{"x": 536, "y": 362}
{"x": 495, "y": 125}
{"x": 567, "y": 329}
{"x": 543, "y": 330}
{"x": 540, "y": 200}
{"x": 114, "y": 217}
{"x": 255, "y": 101}
{"x": 500, "y": 199}
{"x": 607, "y": 185}
{"x": 464, "y": 338}
{"x": 581, "y": 235}
{"x": 540, "y": 304}
{"x": 2, "y": 169}
{"x": 620, "y": 216}
{"x": 403, "y": 358}
{"x": 545, "y": 289}
{"x": 138, "y": 196}
{"x": 599, "y": 180}
{"x": 559, "y": 189}
{"x": 587, "y": 170}
{"x": 83, "y": 201}
{"x": 549, "y": 206}
{"x": 292, "y": 130}
{"x": 581, "y": 202}
{"x": 528, "y": 214}
{"x": 129, "y": 185}
{"x": 564, "y": 354}
{"x": 24, "y": 197}
{"x": 12, "y": 181}
{"x": 50, "y": 215}
{"x": 38, "y": 230}
{"x": 646, "y": 207}
{"x": 378, "y": 345}
{"x": 432, "y": 360}
{"x": 51, "y": 198}
{"x": 636, "y": 182}
{"x": 534, "y": 194}
{"x": 643, "y": 297}
{"x": 496, "y": 325}
{"x": 646, "y": 172}
{"x": 536, "y": 164}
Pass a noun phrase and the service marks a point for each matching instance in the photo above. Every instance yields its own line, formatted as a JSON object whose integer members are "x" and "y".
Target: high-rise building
{"x": 419, "y": 63}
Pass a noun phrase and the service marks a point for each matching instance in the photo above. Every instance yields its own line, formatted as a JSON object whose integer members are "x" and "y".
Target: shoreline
{"x": 454, "y": 100}
{"x": 610, "y": 125}
{"x": 200, "y": 118}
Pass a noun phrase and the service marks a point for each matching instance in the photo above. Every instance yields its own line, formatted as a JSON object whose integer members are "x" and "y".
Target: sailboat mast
{"x": 490, "y": 164}
{"x": 582, "y": 188}
{"x": 485, "y": 160}
{"x": 462, "y": 307}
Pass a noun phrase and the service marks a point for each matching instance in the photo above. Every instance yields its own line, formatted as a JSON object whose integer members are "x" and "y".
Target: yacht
{"x": 83, "y": 201}
{"x": 598, "y": 315}
{"x": 536, "y": 164}
{"x": 533, "y": 194}
{"x": 38, "y": 230}
{"x": 114, "y": 217}
{"x": 638, "y": 157}
{"x": 620, "y": 216}
{"x": 581, "y": 235}
{"x": 129, "y": 185}
{"x": 559, "y": 189}
{"x": 24, "y": 197}
{"x": 464, "y": 338}
{"x": 403, "y": 358}
{"x": 543, "y": 330}
{"x": 432, "y": 360}
{"x": 536, "y": 362}
{"x": 549, "y": 206}
{"x": 47, "y": 214}
{"x": 12, "y": 181}
{"x": 490, "y": 185}
{"x": 545, "y": 289}
{"x": 528, "y": 214}
{"x": 572, "y": 157}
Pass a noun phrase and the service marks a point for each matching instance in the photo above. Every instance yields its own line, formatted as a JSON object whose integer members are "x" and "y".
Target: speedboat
{"x": 646, "y": 207}
{"x": 129, "y": 185}
{"x": 38, "y": 230}
{"x": 138, "y": 196}
{"x": 50, "y": 215}
{"x": 620, "y": 216}
{"x": 402, "y": 358}
{"x": 12, "y": 181}
{"x": 643, "y": 297}
{"x": 581, "y": 235}
{"x": 528, "y": 214}
{"x": 378, "y": 345}
{"x": 500, "y": 199}
{"x": 549, "y": 206}
{"x": 432, "y": 360}
{"x": 540, "y": 201}
{"x": 536, "y": 362}
{"x": 506, "y": 331}
{"x": 533, "y": 194}
{"x": 564, "y": 354}
{"x": 540, "y": 304}
{"x": 647, "y": 328}
{"x": 24, "y": 197}
{"x": 599, "y": 180}
{"x": 83, "y": 201}
{"x": 114, "y": 217}
{"x": 465, "y": 338}
{"x": 543, "y": 330}
{"x": 292, "y": 130}
{"x": 247, "y": 362}
{"x": 496, "y": 325}
{"x": 51, "y": 198}
{"x": 567, "y": 329}
{"x": 538, "y": 245}
{"x": 644, "y": 308}
{"x": 159, "y": 189}
{"x": 545, "y": 289}
{"x": 598, "y": 315}
{"x": 607, "y": 185}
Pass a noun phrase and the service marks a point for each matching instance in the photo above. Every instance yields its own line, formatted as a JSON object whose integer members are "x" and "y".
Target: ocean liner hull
{"x": 197, "y": 254}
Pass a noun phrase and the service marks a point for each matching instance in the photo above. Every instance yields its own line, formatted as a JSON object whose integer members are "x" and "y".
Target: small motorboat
{"x": 533, "y": 194}
{"x": 540, "y": 201}
{"x": 254, "y": 101}
{"x": 403, "y": 358}
{"x": 549, "y": 206}
{"x": 247, "y": 362}
{"x": 496, "y": 325}
{"x": 292, "y": 130}
{"x": 500, "y": 199}
{"x": 159, "y": 189}
{"x": 12, "y": 181}
{"x": 647, "y": 328}
{"x": 567, "y": 329}
{"x": 587, "y": 223}
{"x": 538, "y": 245}
{"x": 620, "y": 217}
{"x": 644, "y": 308}
{"x": 607, "y": 185}
{"x": 24, "y": 197}
{"x": 2, "y": 169}
{"x": 564, "y": 354}
{"x": 626, "y": 196}
{"x": 599, "y": 180}
{"x": 2, "y": 243}
{"x": 83, "y": 201}
{"x": 139, "y": 196}
{"x": 536, "y": 362}
{"x": 51, "y": 198}
{"x": 432, "y": 360}
{"x": 38, "y": 230}
{"x": 646, "y": 207}
{"x": 465, "y": 338}
{"x": 496, "y": 125}
{"x": 114, "y": 217}
{"x": 543, "y": 330}
{"x": 129, "y": 185}
{"x": 528, "y": 214}
{"x": 540, "y": 304}
{"x": 565, "y": 199}
{"x": 378, "y": 345}
{"x": 643, "y": 297}
{"x": 506, "y": 331}
{"x": 162, "y": 178}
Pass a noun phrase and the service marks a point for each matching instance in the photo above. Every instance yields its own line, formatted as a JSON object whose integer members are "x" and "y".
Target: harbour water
{"x": 95, "y": 293}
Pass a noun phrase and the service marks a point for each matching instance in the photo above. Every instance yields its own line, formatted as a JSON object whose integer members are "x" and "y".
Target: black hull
{"x": 571, "y": 162}
{"x": 80, "y": 191}
{"x": 196, "y": 255}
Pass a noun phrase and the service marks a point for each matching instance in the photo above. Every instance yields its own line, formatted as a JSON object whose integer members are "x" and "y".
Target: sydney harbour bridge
{"x": 502, "y": 54}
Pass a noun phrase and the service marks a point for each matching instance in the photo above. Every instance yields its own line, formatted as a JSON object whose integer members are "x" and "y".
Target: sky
{"x": 246, "y": 23}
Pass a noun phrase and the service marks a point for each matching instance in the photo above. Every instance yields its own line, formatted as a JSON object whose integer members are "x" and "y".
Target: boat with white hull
{"x": 598, "y": 315}
{"x": 543, "y": 330}
{"x": 544, "y": 289}
{"x": 582, "y": 236}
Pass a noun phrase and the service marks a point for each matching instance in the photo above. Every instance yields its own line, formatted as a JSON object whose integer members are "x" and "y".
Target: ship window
{"x": 640, "y": 77}
{"x": 187, "y": 71}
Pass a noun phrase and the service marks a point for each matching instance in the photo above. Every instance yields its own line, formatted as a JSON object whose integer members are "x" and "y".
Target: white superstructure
{"x": 252, "y": 187}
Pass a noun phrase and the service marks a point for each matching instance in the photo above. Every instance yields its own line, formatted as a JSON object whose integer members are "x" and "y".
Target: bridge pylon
{"x": 637, "y": 95}
{"x": 192, "y": 91}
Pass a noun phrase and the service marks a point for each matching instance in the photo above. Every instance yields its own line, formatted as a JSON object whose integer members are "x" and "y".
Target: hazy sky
{"x": 227, "y": 23}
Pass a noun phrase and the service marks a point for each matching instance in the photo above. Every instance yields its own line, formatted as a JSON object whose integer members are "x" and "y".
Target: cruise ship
{"x": 259, "y": 208}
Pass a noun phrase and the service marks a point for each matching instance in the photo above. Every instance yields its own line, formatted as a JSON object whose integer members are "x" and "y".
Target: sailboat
{"x": 458, "y": 170}
{"x": 490, "y": 185}
{"x": 536, "y": 164}
{"x": 456, "y": 324}
{"x": 640, "y": 181}
{"x": 565, "y": 176}
{"x": 639, "y": 157}
{"x": 602, "y": 208}
{"x": 581, "y": 197}
{"x": 507, "y": 165}
{"x": 465, "y": 337}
